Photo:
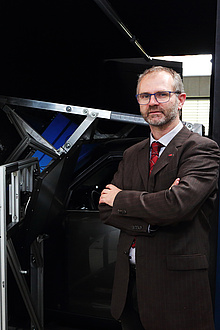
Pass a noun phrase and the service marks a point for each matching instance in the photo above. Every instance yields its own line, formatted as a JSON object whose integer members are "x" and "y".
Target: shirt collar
{"x": 165, "y": 139}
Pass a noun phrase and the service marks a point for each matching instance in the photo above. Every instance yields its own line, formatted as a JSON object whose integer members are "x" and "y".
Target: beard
{"x": 165, "y": 116}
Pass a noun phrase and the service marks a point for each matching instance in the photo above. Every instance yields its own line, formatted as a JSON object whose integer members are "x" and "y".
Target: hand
{"x": 176, "y": 182}
{"x": 108, "y": 194}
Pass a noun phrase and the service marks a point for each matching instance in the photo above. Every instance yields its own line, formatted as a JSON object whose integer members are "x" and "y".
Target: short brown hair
{"x": 177, "y": 80}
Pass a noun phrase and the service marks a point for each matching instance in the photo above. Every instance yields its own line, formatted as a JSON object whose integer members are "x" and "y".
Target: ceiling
{"x": 54, "y": 50}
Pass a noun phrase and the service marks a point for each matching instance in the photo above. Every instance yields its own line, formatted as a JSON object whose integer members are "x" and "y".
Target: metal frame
{"x": 90, "y": 114}
{"x": 105, "y": 6}
{"x": 3, "y": 251}
{"x": 16, "y": 178}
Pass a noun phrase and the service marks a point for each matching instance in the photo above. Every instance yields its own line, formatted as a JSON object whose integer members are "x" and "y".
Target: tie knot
{"x": 156, "y": 146}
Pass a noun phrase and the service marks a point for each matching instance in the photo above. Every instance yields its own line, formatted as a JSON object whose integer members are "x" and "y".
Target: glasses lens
{"x": 143, "y": 98}
{"x": 162, "y": 96}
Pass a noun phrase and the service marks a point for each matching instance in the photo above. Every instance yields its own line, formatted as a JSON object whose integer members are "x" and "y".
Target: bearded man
{"x": 161, "y": 199}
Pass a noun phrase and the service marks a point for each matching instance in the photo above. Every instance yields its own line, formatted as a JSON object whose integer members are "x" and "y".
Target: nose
{"x": 153, "y": 100}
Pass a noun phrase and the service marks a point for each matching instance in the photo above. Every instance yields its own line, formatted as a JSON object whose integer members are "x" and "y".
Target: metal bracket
{"x": 79, "y": 131}
{"x": 19, "y": 176}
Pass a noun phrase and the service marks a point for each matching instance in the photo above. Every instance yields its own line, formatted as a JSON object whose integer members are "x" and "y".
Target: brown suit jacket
{"x": 171, "y": 263}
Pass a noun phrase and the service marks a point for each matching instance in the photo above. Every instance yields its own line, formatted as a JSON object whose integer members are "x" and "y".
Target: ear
{"x": 182, "y": 98}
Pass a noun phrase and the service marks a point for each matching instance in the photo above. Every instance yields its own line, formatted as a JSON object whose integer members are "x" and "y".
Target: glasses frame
{"x": 170, "y": 92}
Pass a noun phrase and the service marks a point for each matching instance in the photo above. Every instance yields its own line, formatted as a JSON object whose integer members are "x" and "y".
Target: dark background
{"x": 55, "y": 50}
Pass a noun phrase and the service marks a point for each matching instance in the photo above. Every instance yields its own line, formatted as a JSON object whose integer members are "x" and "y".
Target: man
{"x": 161, "y": 276}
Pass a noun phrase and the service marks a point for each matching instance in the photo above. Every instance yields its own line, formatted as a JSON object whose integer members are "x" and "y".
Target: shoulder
{"x": 137, "y": 147}
{"x": 197, "y": 139}
{"x": 187, "y": 137}
{"x": 195, "y": 145}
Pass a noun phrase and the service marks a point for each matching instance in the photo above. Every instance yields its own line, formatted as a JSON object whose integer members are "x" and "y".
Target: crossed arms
{"x": 123, "y": 207}
{"x": 110, "y": 192}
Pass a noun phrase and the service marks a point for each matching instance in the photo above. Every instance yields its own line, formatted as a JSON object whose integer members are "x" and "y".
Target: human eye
{"x": 144, "y": 96}
{"x": 162, "y": 95}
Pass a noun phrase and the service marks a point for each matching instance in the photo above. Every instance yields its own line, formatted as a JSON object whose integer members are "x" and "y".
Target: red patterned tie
{"x": 154, "y": 154}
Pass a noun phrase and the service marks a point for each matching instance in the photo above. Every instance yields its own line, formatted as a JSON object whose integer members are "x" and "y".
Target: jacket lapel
{"x": 143, "y": 162}
{"x": 169, "y": 152}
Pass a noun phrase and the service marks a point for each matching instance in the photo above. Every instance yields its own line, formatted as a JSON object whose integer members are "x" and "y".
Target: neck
{"x": 159, "y": 131}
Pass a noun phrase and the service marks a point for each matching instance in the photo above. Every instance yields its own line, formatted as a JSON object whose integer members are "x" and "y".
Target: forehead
{"x": 156, "y": 81}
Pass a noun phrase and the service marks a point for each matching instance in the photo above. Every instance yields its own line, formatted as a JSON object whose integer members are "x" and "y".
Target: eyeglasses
{"x": 161, "y": 97}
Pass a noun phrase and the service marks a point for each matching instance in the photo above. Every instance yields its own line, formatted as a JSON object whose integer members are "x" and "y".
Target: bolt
{"x": 68, "y": 108}
{"x": 94, "y": 114}
{"x": 85, "y": 111}
{"x": 67, "y": 145}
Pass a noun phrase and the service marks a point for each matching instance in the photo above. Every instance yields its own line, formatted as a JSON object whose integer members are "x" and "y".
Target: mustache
{"x": 155, "y": 108}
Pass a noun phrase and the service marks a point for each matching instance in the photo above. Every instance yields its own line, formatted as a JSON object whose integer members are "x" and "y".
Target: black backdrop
{"x": 55, "y": 50}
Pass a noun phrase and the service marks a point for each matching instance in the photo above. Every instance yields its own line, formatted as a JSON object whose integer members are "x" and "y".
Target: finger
{"x": 101, "y": 200}
{"x": 109, "y": 186}
{"x": 176, "y": 182}
{"x": 105, "y": 191}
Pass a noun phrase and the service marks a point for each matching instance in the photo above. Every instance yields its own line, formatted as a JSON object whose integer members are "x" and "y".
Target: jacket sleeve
{"x": 131, "y": 225}
{"x": 134, "y": 210}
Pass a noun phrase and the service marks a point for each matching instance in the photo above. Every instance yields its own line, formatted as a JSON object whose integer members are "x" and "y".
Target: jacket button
{"x": 136, "y": 227}
{"x": 122, "y": 211}
{"x": 126, "y": 253}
